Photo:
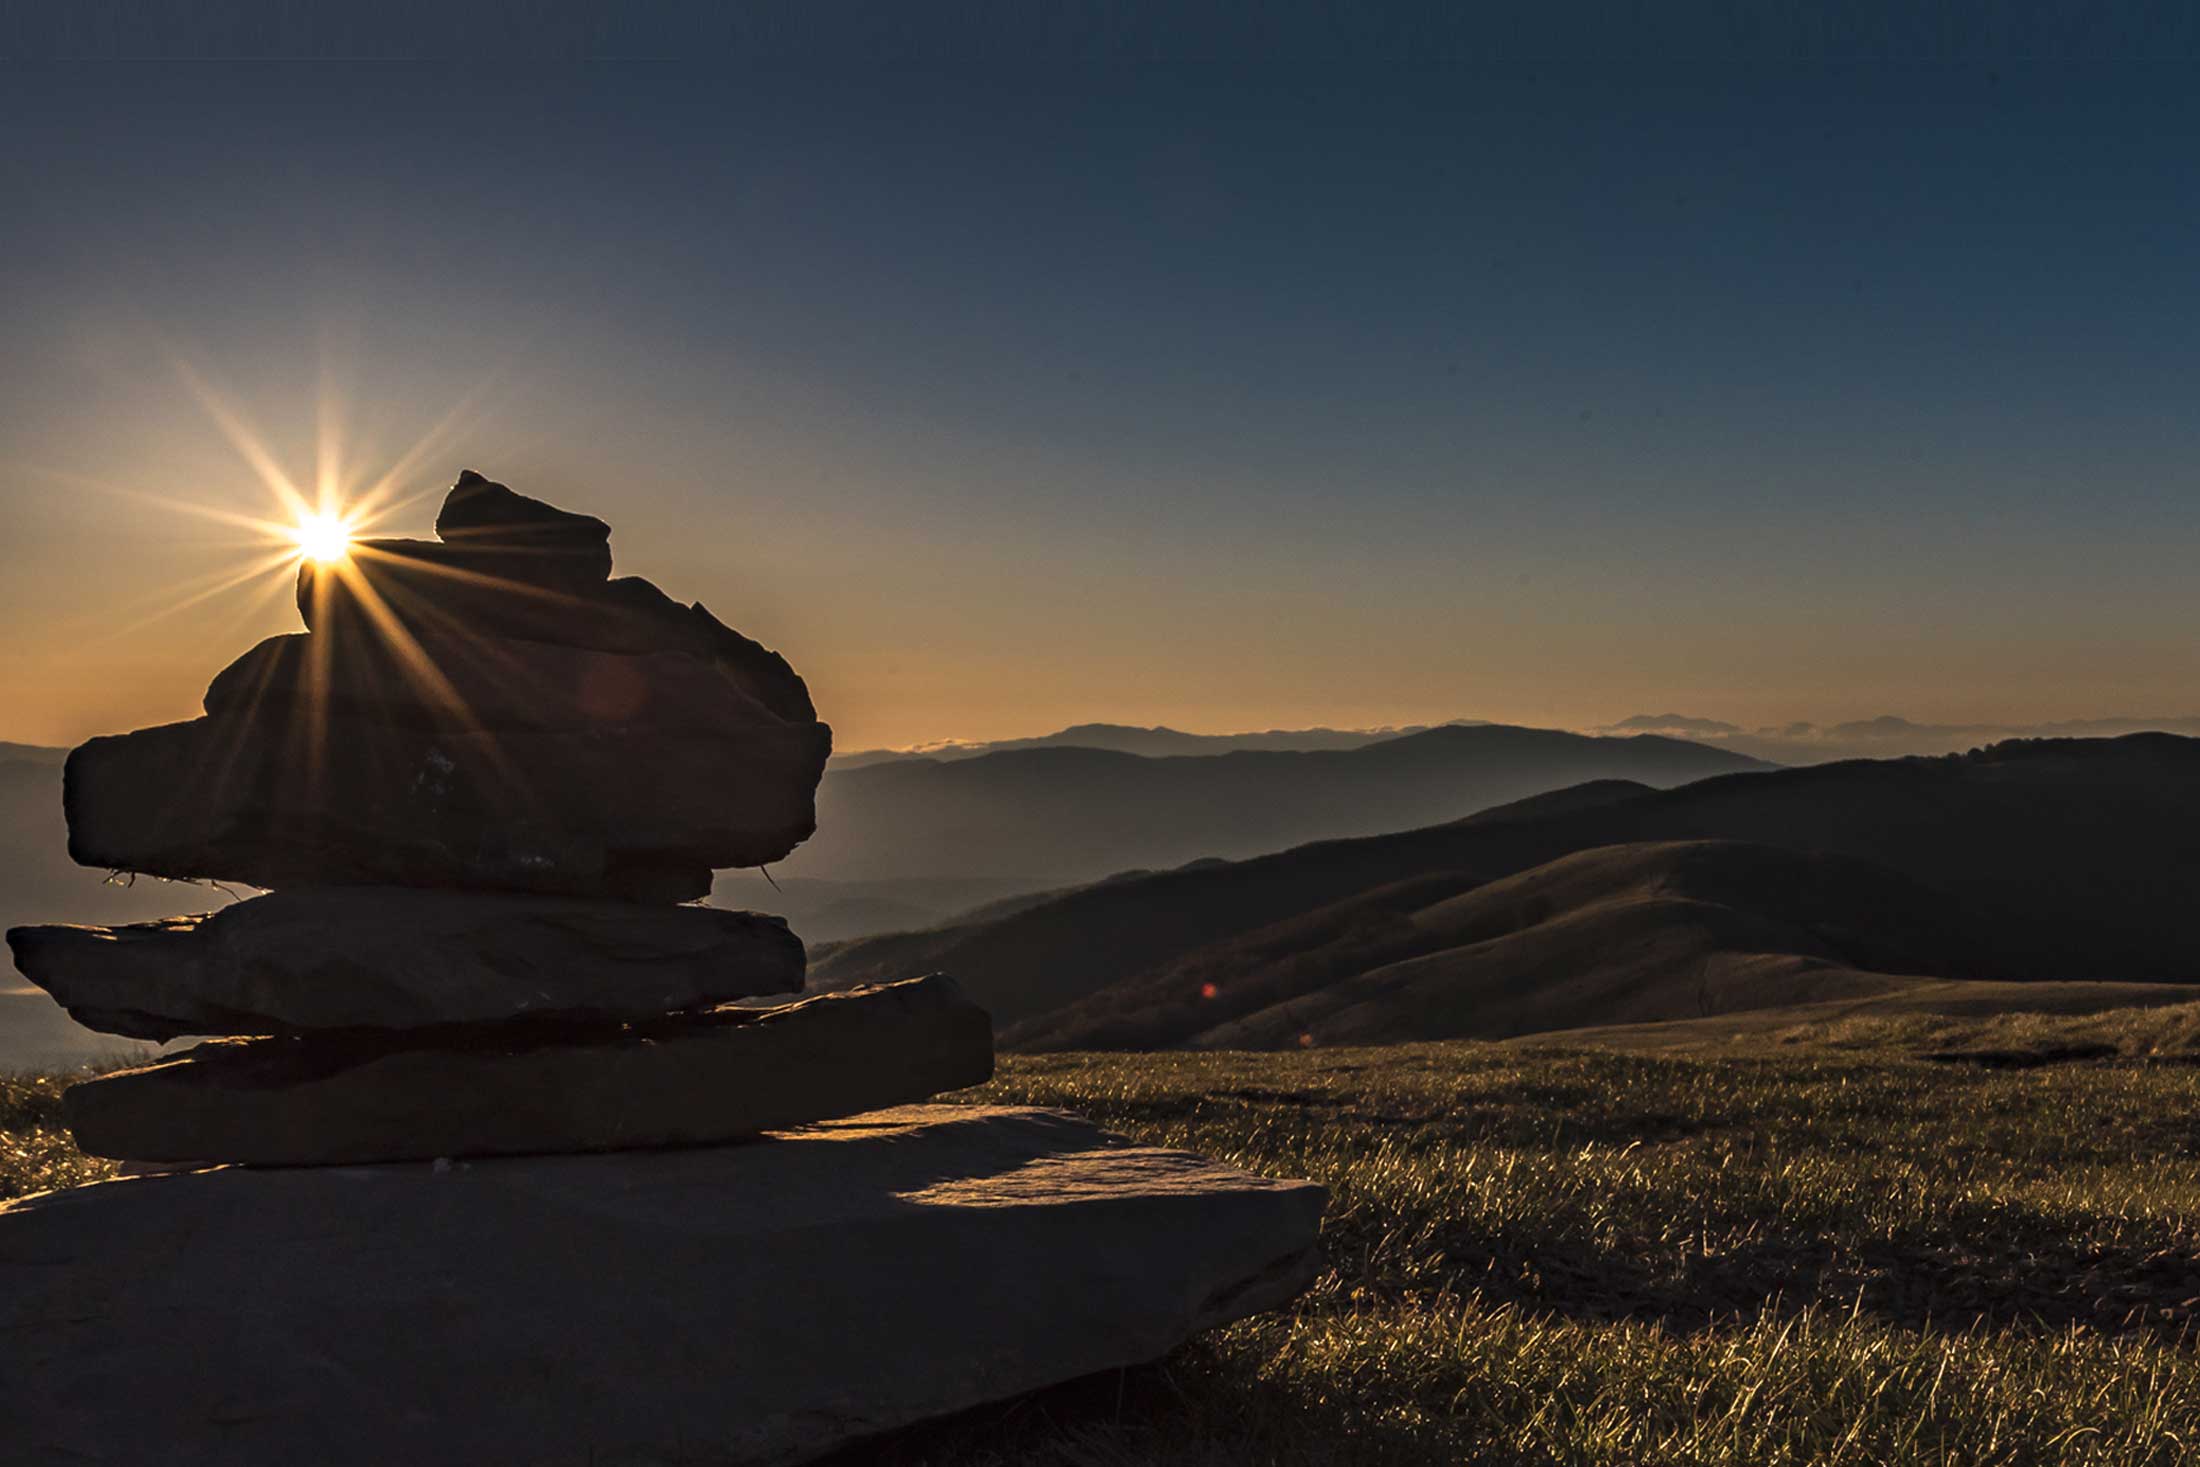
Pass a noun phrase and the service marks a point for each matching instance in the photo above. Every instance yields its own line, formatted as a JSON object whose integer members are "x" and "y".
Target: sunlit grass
{"x": 2169, "y": 1032}
{"x": 1820, "y": 1252}
{"x": 36, "y": 1154}
{"x": 1805, "y": 1255}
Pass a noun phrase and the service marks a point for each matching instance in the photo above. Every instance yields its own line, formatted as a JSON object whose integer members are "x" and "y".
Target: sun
{"x": 323, "y": 537}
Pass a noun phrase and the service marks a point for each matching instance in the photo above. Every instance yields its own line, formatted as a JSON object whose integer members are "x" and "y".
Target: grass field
{"x": 1882, "y": 1242}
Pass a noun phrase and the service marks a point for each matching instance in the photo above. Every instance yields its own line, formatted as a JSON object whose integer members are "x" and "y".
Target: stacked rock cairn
{"x": 483, "y": 790}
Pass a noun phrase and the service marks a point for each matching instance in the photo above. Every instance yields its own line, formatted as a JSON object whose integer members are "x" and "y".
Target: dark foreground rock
{"x": 378, "y": 957}
{"x": 754, "y": 1304}
{"x": 508, "y": 1090}
{"x": 418, "y": 590}
{"x": 309, "y": 797}
{"x": 486, "y": 710}
{"x": 472, "y": 682}
{"x": 521, "y": 538}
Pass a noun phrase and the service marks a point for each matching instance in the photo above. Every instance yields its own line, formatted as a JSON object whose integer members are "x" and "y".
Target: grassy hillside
{"x": 1615, "y": 934}
{"x": 2065, "y": 860}
{"x": 1909, "y": 1242}
{"x": 1831, "y": 1249}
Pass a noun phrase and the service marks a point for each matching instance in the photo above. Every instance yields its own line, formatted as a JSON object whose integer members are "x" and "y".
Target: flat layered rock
{"x": 510, "y": 567}
{"x": 478, "y": 682}
{"x": 400, "y": 591}
{"x": 323, "y": 958}
{"x": 756, "y": 1304}
{"x": 523, "y": 539}
{"x": 510, "y": 1089}
{"x": 301, "y": 796}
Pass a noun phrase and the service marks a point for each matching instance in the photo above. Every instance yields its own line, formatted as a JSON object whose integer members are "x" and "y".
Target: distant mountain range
{"x": 1885, "y": 737}
{"x": 2023, "y": 863}
{"x": 830, "y": 911}
{"x": 1070, "y": 813}
{"x": 1151, "y": 743}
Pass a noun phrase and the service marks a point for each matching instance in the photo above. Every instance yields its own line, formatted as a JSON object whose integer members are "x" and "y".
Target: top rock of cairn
{"x": 510, "y": 536}
{"x": 487, "y": 710}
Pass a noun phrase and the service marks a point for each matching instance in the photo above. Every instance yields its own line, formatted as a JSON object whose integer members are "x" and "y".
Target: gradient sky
{"x": 1016, "y": 393}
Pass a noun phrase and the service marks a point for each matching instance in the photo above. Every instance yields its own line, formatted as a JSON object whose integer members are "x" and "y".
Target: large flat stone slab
{"x": 516, "y": 1090}
{"x": 754, "y": 1304}
{"x": 380, "y": 957}
{"x": 305, "y": 796}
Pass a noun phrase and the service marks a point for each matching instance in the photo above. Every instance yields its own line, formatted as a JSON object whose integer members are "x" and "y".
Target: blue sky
{"x": 1016, "y": 391}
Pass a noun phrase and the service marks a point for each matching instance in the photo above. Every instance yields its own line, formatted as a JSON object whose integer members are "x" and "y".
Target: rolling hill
{"x": 1629, "y": 934}
{"x": 2022, "y": 862}
{"x": 1077, "y": 814}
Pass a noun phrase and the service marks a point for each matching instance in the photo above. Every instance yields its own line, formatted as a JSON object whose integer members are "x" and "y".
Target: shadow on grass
{"x": 1914, "y": 1283}
{"x": 1192, "y": 1409}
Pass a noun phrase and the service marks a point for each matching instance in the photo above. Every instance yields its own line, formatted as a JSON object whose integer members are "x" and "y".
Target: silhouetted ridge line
{"x": 1063, "y": 815}
{"x": 2055, "y": 859}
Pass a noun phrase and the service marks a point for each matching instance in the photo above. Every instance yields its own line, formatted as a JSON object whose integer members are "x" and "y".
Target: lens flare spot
{"x": 323, "y": 537}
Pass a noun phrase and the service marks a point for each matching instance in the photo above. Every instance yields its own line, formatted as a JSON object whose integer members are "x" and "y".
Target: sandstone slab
{"x": 509, "y": 1090}
{"x": 339, "y": 958}
{"x": 306, "y": 796}
{"x": 754, "y": 1304}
